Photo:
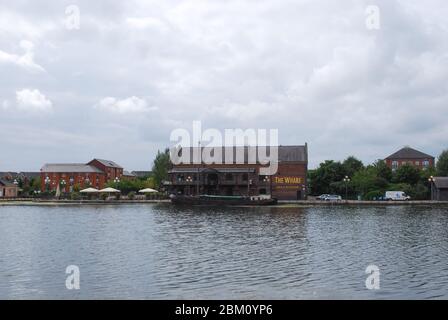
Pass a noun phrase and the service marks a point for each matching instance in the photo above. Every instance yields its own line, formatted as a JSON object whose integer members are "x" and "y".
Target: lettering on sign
{"x": 288, "y": 180}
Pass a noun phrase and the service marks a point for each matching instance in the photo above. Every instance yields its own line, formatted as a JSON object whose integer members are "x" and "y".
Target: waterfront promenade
{"x": 281, "y": 203}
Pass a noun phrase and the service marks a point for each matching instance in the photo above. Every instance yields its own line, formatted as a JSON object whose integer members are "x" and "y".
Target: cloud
{"x": 129, "y": 105}
{"x": 145, "y": 22}
{"x": 32, "y": 100}
{"x": 309, "y": 68}
{"x": 25, "y": 60}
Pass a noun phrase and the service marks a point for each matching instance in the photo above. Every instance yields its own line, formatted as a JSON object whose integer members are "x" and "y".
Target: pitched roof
{"x": 108, "y": 163}
{"x": 28, "y": 174}
{"x": 142, "y": 174}
{"x": 441, "y": 182}
{"x": 285, "y": 153}
{"x": 409, "y": 153}
{"x": 69, "y": 168}
{"x": 7, "y": 183}
{"x": 8, "y": 174}
{"x": 128, "y": 174}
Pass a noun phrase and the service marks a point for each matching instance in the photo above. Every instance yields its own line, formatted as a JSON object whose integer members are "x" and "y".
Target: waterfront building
{"x": 8, "y": 189}
{"x": 242, "y": 177}
{"x": 96, "y": 173}
{"x": 129, "y": 175}
{"x": 410, "y": 156}
{"x": 142, "y": 174}
{"x": 439, "y": 189}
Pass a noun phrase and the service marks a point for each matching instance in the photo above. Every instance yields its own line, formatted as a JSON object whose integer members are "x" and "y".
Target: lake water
{"x": 157, "y": 251}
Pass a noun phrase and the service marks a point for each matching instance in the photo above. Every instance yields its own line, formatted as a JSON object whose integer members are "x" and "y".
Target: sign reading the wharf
{"x": 288, "y": 180}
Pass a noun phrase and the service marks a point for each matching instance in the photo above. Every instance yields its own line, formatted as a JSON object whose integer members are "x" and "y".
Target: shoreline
{"x": 281, "y": 203}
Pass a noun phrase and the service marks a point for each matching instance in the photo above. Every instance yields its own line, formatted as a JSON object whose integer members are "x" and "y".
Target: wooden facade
{"x": 288, "y": 183}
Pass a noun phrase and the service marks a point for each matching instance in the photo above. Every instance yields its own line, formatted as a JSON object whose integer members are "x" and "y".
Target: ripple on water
{"x": 161, "y": 252}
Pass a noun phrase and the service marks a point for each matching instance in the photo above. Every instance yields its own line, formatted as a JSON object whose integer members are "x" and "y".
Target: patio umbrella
{"x": 148, "y": 190}
{"x": 109, "y": 190}
{"x": 89, "y": 190}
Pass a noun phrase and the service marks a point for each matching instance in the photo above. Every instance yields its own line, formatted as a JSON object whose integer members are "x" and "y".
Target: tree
{"x": 352, "y": 165}
{"x": 442, "y": 164}
{"x": 322, "y": 178}
{"x": 161, "y": 166}
{"x": 367, "y": 181}
{"x": 407, "y": 174}
{"x": 382, "y": 170}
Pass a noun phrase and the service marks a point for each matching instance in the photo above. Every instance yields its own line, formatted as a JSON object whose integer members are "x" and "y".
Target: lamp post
{"x": 346, "y": 180}
{"x": 47, "y": 183}
{"x": 63, "y": 183}
{"x": 116, "y": 181}
{"x": 189, "y": 179}
{"x": 266, "y": 180}
{"x": 431, "y": 182}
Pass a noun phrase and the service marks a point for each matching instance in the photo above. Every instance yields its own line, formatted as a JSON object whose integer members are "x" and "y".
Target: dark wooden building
{"x": 440, "y": 189}
{"x": 410, "y": 156}
{"x": 243, "y": 177}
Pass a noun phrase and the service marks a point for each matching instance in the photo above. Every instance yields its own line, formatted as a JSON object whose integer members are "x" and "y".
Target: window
{"x": 245, "y": 177}
{"x": 229, "y": 177}
{"x": 394, "y": 164}
{"x": 417, "y": 163}
{"x": 426, "y": 163}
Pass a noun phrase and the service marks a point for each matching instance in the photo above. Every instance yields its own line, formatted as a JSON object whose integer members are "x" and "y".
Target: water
{"x": 161, "y": 252}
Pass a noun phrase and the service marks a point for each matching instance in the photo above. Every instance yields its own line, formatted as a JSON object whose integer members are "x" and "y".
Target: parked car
{"x": 396, "y": 196}
{"x": 322, "y": 197}
{"x": 332, "y": 197}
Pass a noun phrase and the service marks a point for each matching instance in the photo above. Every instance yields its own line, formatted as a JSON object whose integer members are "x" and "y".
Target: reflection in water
{"x": 160, "y": 251}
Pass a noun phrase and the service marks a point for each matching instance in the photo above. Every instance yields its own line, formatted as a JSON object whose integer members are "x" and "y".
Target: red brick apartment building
{"x": 96, "y": 174}
{"x": 289, "y": 183}
{"x": 410, "y": 156}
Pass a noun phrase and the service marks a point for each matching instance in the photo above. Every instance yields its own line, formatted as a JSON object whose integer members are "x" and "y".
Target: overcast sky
{"x": 134, "y": 71}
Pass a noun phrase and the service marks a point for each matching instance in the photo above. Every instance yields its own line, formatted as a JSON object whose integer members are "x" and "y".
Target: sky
{"x": 112, "y": 79}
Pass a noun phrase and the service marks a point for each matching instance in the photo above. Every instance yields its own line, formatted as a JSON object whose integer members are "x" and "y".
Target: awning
{"x": 148, "y": 190}
{"x": 109, "y": 190}
{"x": 89, "y": 190}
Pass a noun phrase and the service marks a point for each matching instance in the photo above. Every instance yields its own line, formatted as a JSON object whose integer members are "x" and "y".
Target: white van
{"x": 397, "y": 196}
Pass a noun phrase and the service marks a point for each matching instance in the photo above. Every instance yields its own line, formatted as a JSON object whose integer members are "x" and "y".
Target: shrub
{"x": 131, "y": 195}
{"x": 75, "y": 196}
{"x": 374, "y": 195}
{"x": 104, "y": 196}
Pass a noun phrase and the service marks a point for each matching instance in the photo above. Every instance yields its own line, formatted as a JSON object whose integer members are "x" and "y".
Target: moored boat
{"x": 212, "y": 200}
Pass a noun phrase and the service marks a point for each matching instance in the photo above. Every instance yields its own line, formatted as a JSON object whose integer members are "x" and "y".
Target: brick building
{"x": 410, "y": 156}
{"x": 95, "y": 174}
{"x": 8, "y": 189}
{"x": 243, "y": 178}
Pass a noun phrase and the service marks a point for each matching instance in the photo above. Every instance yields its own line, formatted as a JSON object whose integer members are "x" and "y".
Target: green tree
{"x": 406, "y": 174}
{"x": 442, "y": 164}
{"x": 352, "y": 165}
{"x": 328, "y": 173}
{"x": 382, "y": 170}
{"x": 368, "y": 181}
{"x": 161, "y": 167}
